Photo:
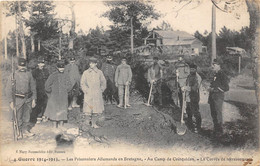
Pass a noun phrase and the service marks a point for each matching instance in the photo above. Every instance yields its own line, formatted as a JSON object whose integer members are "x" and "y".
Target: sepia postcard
{"x": 149, "y": 82}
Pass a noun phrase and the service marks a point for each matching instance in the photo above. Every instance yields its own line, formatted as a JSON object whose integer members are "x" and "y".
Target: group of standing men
{"x": 188, "y": 83}
{"x": 52, "y": 95}
{"x": 57, "y": 92}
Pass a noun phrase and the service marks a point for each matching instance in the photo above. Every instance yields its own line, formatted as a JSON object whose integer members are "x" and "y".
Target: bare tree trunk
{"x": 6, "y": 47}
{"x": 32, "y": 33}
{"x": 213, "y": 33}
{"x": 16, "y": 37}
{"x": 60, "y": 46}
{"x": 32, "y": 42}
{"x": 5, "y": 39}
{"x": 39, "y": 45}
{"x": 132, "y": 36}
{"x": 73, "y": 26}
{"x": 21, "y": 29}
{"x": 254, "y": 13}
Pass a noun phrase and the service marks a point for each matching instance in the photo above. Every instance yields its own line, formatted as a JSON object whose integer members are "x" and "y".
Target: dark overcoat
{"x": 57, "y": 87}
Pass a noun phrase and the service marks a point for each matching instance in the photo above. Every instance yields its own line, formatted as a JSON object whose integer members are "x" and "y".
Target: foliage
{"x": 120, "y": 14}
{"x": 42, "y": 21}
{"x": 228, "y": 38}
{"x": 12, "y": 7}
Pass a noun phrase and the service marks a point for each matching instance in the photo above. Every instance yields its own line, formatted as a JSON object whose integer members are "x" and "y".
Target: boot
{"x": 160, "y": 100}
{"x": 120, "y": 102}
{"x": 74, "y": 104}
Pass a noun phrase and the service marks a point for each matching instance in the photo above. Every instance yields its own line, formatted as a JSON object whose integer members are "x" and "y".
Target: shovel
{"x": 125, "y": 96}
{"x": 149, "y": 98}
{"x": 181, "y": 129}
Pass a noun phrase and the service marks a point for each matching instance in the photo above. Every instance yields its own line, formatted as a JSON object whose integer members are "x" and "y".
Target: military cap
{"x": 72, "y": 58}
{"x": 215, "y": 61}
{"x": 21, "y": 62}
{"x": 155, "y": 58}
{"x": 109, "y": 58}
{"x": 123, "y": 58}
{"x": 193, "y": 66}
{"x": 41, "y": 60}
{"x": 60, "y": 64}
{"x": 93, "y": 59}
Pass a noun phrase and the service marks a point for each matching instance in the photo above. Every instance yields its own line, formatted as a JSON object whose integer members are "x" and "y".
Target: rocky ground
{"x": 145, "y": 128}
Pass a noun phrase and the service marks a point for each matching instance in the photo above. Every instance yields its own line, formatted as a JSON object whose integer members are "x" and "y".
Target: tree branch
{"x": 182, "y": 7}
{"x": 215, "y": 4}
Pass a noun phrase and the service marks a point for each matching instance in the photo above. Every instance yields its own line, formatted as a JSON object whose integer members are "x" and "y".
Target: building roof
{"x": 235, "y": 50}
{"x": 174, "y": 34}
{"x": 180, "y": 42}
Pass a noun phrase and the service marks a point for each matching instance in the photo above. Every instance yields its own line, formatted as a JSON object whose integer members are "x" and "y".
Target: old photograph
{"x": 129, "y": 82}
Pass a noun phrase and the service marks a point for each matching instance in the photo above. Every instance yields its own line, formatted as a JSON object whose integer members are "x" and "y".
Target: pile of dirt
{"x": 138, "y": 124}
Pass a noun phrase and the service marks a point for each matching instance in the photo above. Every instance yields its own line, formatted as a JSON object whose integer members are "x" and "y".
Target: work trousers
{"x": 121, "y": 94}
{"x": 23, "y": 115}
{"x": 216, "y": 100}
{"x": 41, "y": 104}
{"x": 110, "y": 92}
{"x": 157, "y": 88}
{"x": 192, "y": 109}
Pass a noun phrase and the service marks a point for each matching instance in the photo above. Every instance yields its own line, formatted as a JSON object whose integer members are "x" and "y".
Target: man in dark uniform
{"x": 192, "y": 98}
{"x": 155, "y": 75}
{"x": 72, "y": 70}
{"x": 218, "y": 87}
{"x": 108, "y": 70}
{"x": 40, "y": 74}
{"x": 25, "y": 96}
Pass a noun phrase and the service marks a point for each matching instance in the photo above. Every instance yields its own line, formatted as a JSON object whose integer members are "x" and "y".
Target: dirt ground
{"x": 148, "y": 128}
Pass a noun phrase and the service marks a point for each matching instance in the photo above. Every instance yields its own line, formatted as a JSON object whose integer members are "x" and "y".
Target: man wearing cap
{"x": 193, "y": 83}
{"x": 108, "y": 70}
{"x": 123, "y": 77}
{"x": 25, "y": 96}
{"x": 73, "y": 71}
{"x": 218, "y": 87}
{"x": 93, "y": 84}
{"x": 57, "y": 88}
{"x": 182, "y": 72}
{"x": 155, "y": 75}
{"x": 40, "y": 74}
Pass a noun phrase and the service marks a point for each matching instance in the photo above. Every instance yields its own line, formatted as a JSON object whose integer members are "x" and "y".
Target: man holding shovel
{"x": 155, "y": 75}
{"x": 192, "y": 98}
{"x": 123, "y": 77}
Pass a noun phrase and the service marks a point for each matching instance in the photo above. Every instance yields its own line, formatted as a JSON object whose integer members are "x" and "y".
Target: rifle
{"x": 16, "y": 130}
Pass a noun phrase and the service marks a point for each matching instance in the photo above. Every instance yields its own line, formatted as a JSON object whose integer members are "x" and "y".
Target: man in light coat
{"x": 123, "y": 77}
{"x": 93, "y": 84}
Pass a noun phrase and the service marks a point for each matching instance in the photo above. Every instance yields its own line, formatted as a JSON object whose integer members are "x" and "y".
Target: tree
{"x": 16, "y": 9}
{"x": 31, "y": 33}
{"x": 73, "y": 25}
{"x": 42, "y": 22}
{"x": 21, "y": 30}
{"x": 129, "y": 15}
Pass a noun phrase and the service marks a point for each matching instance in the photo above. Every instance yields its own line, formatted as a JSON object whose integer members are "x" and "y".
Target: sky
{"x": 189, "y": 19}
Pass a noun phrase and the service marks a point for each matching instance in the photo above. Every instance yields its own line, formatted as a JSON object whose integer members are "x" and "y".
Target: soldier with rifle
{"x": 21, "y": 94}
